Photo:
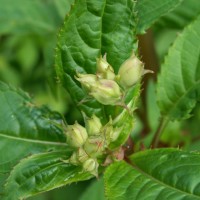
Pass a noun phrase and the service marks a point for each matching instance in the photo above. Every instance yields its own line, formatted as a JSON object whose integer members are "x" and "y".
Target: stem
{"x": 163, "y": 123}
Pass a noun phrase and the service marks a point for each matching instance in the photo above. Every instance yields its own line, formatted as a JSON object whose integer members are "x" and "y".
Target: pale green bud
{"x": 78, "y": 157}
{"x": 102, "y": 65}
{"x": 110, "y": 133}
{"x": 104, "y": 69}
{"x": 73, "y": 159}
{"x": 94, "y": 146}
{"x": 87, "y": 80}
{"x": 91, "y": 165}
{"x": 115, "y": 134}
{"x": 93, "y": 125}
{"x": 76, "y": 135}
{"x": 107, "y": 131}
{"x": 82, "y": 156}
{"x": 131, "y": 71}
{"x": 107, "y": 92}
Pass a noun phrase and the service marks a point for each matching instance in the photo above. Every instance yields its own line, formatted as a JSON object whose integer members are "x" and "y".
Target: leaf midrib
{"x": 32, "y": 140}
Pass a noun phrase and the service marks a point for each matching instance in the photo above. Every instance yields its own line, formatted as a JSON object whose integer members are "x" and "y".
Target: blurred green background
{"x": 28, "y": 30}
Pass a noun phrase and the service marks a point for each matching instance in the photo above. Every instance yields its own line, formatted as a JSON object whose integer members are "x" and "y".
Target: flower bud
{"x": 110, "y": 133}
{"x": 93, "y": 125}
{"x": 115, "y": 134}
{"x": 78, "y": 157}
{"x": 107, "y": 92}
{"x": 107, "y": 131}
{"x": 104, "y": 69}
{"x": 82, "y": 156}
{"x": 73, "y": 159}
{"x": 91, "y": 165}
{"x": 94, "y": 146}
{"x": 102, "y": 65}
{"x": 76, "y": 135}
{"x": 131, "y": 71}
{"x": 87, "y": 80}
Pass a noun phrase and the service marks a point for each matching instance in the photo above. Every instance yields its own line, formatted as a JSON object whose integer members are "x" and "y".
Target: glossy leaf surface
{"x": 93, "y": 28}
{"x": 155, "y": 174}
{"x": 41, "y": 172}
{"x": 25, "y": 129}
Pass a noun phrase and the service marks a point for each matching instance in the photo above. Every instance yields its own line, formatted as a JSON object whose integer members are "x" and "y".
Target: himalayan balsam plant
{"x": 117, "y": 142}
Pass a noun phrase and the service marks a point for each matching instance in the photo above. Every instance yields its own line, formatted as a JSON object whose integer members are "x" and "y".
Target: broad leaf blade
{"x": 179, "y": 82}
{"x": 155, "y": 174}
{"x": 91, "y": 29}
{"x": 42, "y": 172}
{"x": 25, "y": 129}
{"x": 150, "y": 11}
{"x": 118, "y": 31}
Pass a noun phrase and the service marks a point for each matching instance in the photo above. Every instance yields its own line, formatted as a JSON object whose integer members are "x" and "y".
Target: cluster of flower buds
{"x": 93, "y": 140}
{"x": 107, "y": 87}
{"x": 90, "y": 143}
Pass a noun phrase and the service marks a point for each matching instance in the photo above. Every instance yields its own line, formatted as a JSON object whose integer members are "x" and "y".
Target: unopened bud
{"x": 104, "y": 69}
{"x": 102, "y": 65}
{"x": 91, "y": 165}
{"x": 94, "y": 146}
{"x": 107, "y": 92}
{"x": 107, "y": 131}
{"x": 131, "y": 71}
{"x": 93, "y": 125}
{"x": 110, "y": 133}
{"x": 73, "y": 159}
{"x": 82, "y": 156}
{"x": 87, "y": 80}
{"x": 78, "y": 157}
{"x": 76, "y": 135}
{"x": 115, "y": 134}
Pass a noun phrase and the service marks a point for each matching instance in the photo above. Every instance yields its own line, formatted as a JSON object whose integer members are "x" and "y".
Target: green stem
{"x": 162, "y": 125}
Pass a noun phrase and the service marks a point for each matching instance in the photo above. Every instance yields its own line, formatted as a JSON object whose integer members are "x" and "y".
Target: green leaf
{"x": 155, "y": 174}
{"x": 150, "y": 11}
{"x": 166, "y": 28}
{"x": 178, "y": 87}
{"x": 97, "y": 187}
{"x": 93, "y": 28}
{"x": 42, "y": 172}
{"x": 25, "y": 129}
{"x": 40, "y": 17}
{"x": 181, "y": 16}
